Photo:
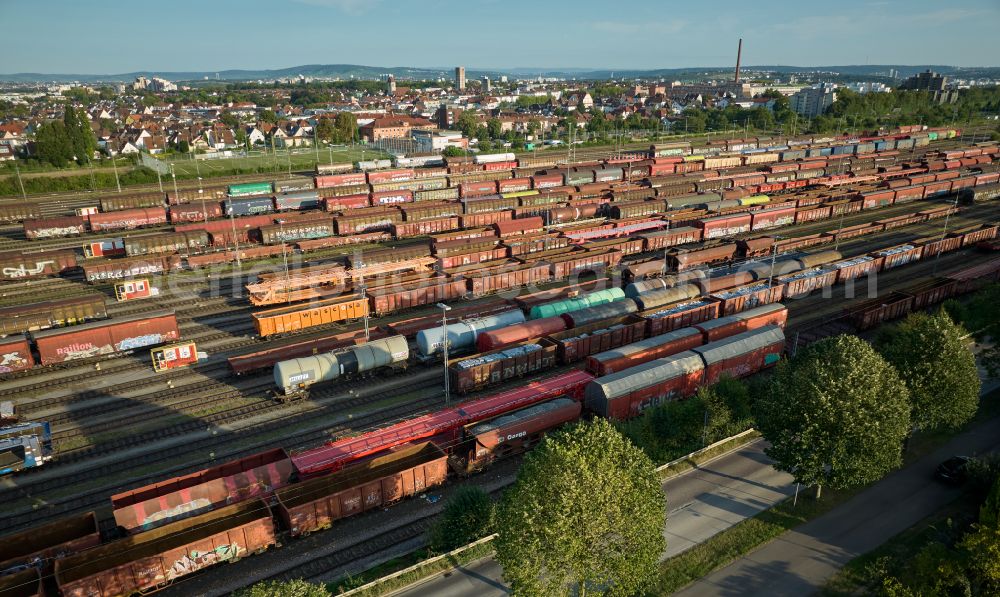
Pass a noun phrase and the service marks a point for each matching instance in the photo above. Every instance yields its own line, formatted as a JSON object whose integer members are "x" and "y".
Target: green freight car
{"x": 592, "y": 299}
{"x": 250, "y": 188}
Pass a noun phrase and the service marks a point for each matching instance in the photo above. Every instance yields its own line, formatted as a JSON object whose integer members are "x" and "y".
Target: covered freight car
{"x": 21, "y": 266}
{"x": 185, "y": 243}
{"x": 12, "y": 213}
{"x": 48, "y": 314}
{"x": 99, "y": 338}
{"x": 128, "y": 219}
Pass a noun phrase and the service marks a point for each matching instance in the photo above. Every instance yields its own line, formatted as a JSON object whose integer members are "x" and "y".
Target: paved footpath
{"x": 800, "y": 561}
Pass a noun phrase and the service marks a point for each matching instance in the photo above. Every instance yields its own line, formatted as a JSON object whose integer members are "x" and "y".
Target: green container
{"x": 932, "y": 136}
{"x": 592, "y": 299}
{"x": 250, "y": 188}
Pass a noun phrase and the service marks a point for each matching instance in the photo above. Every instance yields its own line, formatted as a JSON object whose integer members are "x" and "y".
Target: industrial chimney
{"x": 739, "y": 52}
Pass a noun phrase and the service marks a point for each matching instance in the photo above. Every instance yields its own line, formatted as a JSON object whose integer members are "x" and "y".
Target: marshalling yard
{"x": 259, "y": 365}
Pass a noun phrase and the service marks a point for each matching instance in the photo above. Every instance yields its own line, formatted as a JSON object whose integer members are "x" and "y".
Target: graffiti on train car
{"x": 23, "y": 272}
{"x": 197, "y": 560}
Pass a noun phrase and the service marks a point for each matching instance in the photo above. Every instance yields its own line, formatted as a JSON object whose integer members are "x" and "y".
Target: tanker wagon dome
{"x": 296, "y": 374}
{"x": 462, "y": 335}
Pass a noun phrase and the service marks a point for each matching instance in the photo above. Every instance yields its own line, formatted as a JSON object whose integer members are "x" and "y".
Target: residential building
{"x": 393, "y": 127}
{"x": 460, "y": 77}
{"x": 813, "y": 101}
{"x": 436, "y": 140}
{"x": 934, "y": 83}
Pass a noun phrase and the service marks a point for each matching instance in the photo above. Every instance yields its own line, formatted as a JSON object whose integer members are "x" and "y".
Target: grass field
{"x": 297, "y": 160}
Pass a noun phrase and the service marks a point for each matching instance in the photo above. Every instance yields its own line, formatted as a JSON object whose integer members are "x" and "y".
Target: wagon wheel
{"x": 305, "y": 534}
{"x": 260, "y": 550}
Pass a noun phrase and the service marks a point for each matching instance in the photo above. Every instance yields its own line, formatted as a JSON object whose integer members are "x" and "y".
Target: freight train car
{"x": 295, "y": 375}
{"x": 49, "y": 314}
{"x": 100, "y": 338}
{"x": 22, "y": 266}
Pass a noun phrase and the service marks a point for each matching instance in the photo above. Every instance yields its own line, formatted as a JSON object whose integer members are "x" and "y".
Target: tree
{"x": 183, "y": 146}
{"x": 981, "y": 316}
{"x": 325, "y": 129}
{"x": 586, "y": 514}
{"x": 277, "y": 588}
{"x": 468, "y": 123}
{"x": 982, "y": 546}
{"x": 467, "y": 516}
{"x": 453, "y": 152}
{"x": 930, "y": 354}
{"x": 494, "y": 128}
{"x": 229, "y": 119}
{"x": 346, "y": 125}
{"x": 268, "y": 116}
{"x": 53, "y": 144}
{"x": 81, "y": 137}
{"x": 836, "y": 414}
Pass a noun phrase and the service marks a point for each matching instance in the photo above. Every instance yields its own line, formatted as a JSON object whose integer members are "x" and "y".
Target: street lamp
{"x": 444, "y": 343}
{"x": 774, "y": 255}
{"x": 944, "y": 231}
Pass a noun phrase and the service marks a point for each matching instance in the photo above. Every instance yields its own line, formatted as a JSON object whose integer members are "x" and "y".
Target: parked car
{"x": 953, "y": 470}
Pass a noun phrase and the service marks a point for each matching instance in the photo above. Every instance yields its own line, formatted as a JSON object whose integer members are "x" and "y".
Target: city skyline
{"x": 254, "y": 34}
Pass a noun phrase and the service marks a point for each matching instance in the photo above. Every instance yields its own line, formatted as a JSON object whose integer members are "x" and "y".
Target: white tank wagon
{"x": 295, "y": 375}
{"x": 462, "y": 335}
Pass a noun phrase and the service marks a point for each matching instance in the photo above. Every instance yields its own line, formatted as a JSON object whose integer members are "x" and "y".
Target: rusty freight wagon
{"x": 275, "y": 234}
{"x": 38, "y": 547}
{"x": 49, "y": 314}
{"x": 626, "y": 394}
{"x": 488, "y": 278}
{"x": 55, "y": 227}
{"x": 580, "y": 342}
{"x": 256, "y": 476}
{"x": 873, "y": 312}
{"x": 194, "y": 241}
{"x": 644, "y": 351}
{"x": 370, "y": 221}
{"x": 147, "y": 561}
{"x": 473, "y": 373}
{"x": 389, "y": 299}
{"x": 119, "y": 269}
{"x": 195, "y": 212}
{"x": 15, "y": 213}
{"x": 100, "y": 338}
{"x": 316, "y": 504}
{"x": 747, "y": 297}
{"x": 128, "y": 219}
{"x": 16, "y": 353}
{"x": 22, "y": 266}
{"x": 424, "y": 227}
{"x": 682, "y": 260}
{"x": 512, "y": 433}
{"x": 680, "y": 315}
{"x": 132, "y": 201}
{"x": 27, "y": 582}
{"x": 299, "y": 317}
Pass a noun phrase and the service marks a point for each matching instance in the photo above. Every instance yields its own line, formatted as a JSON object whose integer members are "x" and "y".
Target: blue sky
{"x": 113, "y": 36}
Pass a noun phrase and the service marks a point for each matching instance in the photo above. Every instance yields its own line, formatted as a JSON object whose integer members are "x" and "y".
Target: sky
{"x": 119, "y": 36}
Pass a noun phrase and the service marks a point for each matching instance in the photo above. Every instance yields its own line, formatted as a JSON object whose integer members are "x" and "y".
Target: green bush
{"x": 467, "y": 516}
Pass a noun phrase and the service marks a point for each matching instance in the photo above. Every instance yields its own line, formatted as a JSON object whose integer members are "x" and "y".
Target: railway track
{"x": 54, "y": 496}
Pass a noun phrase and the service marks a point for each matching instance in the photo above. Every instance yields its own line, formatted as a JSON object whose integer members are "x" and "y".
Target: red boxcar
{"x": 118, "y": 269}
{"x": 21, "y": 266}
{"x": 15, "y": 354}
{"x": 195, "y": 212}
{"x": 390, "y": 176}
{"x": 346, "y": 202}
{"x": 722, "y": 226}
{"x": 106, "y": 337}
{"x": 424, "y": 227}
{"x": 392, "y": 197}
{"x": 644, "y": 351}
{"x": 54, "y": 227}
{"x": 488, "y": 441}
{"x": 128, "y": 219}
{"x": 626, "y": 394}
{"x": 340, "y": 180}
{"x": 743, "y": 354}
{"x": 155, "y": 505}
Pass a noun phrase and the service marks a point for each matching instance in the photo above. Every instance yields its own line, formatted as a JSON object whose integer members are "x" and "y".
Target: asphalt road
{"x": 801, "y": 561}
{"x": 702, "y": 502}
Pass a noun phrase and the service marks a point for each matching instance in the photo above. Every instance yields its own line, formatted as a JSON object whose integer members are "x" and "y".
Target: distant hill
{"x": 348, "y": 71}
